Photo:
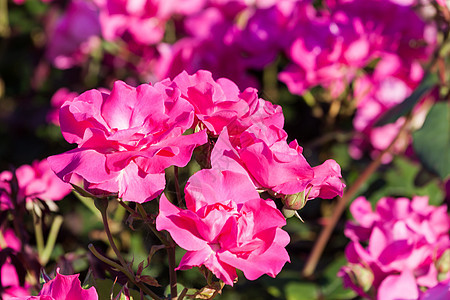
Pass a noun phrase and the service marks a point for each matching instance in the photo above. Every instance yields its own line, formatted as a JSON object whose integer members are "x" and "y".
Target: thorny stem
{"x": 127, "y": 273}
{"x": 325, "y": 234}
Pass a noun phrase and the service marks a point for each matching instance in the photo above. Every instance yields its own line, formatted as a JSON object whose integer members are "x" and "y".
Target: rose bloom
{"x": 126, "y": 139}
{"x": 263, "y": 154}
{"x": 63, "y": 287}
{"x": 226, "y": 226}
{"x": 408, "y": 246}
{"x": 219, "y": 103}
{"x": 34, "y": 181}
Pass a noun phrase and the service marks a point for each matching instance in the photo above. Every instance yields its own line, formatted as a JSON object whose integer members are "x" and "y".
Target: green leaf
{"x": 432, "y": 142}
{"x": 400, "y": 182}
{"x": 428, "y": 82}
{"x": 301, "y": 291}
{"x": 334, "y": 287}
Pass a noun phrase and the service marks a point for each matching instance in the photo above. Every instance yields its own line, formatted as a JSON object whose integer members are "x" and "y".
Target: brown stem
{"x": 102, "y": 207}
{"x": 177, "y": 186}
{"x": 172, "y": 272}
{"x": 325, "y": 234}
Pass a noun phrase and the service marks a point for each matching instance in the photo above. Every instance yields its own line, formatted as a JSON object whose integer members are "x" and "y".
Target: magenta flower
{"x": 126, "y": 139}
{"x": 63, "y": 287}
{"x": 75, "y": 35}
{"x": 406, "y": 242}
{"x": 220, "y": 104}
{"x": 35, "y": 181}
{"x": 226, "y": 226}
{"x": 263, "y": 154}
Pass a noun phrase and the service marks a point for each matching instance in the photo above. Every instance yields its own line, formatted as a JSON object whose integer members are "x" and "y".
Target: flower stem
{"x": 172, "y": 272}
{"x": 39, "y": 235}
{"x": 127, "y": 273}
{"x": 56, "y": 225}
{"x": 177, "y": 186}
{"x": 170, "y": 247}
{"x": 102, "y": 205}
{"x": 326, "y": 232}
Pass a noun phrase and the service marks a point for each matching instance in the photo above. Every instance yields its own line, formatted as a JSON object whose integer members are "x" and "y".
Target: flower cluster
{"x": 333, "y": 46}
{"x": 407, "y": 252}
{"x": 127, "y": 138}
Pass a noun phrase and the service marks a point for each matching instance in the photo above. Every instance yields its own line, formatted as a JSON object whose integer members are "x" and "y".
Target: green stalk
{"x": 54, "y": 230}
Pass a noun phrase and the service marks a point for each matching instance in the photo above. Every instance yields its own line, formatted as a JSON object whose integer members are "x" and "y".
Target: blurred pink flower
{"x": 75, "y": 35}
{"x": 226, "y": 226}
{"x": 9, "y": 277}
{"x": 328, "y": 46}
{"x": 34, "y": 181}
{"x": 141, "y": 19}
{"x": 126, "y": 139}
{"x": 390, "y": 84}
{"x": 59, "y": 97}
{"x": 406, "y": 240}
{"x": 63, "y": 287}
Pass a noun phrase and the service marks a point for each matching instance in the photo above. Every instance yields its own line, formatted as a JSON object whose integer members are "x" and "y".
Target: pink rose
{"x": 126, "y": 139}
{"x": 226, "y": 226}
{"x": 35, "y": 181}
{"x": 263, "y": 154}
{"x": 63, "y": 287}
{"x": 219, "y": 103}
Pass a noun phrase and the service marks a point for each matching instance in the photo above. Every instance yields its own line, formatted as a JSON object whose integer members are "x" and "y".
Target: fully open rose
{"x": 126, "y": 139}
{"x": 226, "y": 226}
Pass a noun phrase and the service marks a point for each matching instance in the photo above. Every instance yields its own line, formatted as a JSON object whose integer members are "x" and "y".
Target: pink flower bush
{"x": 226, "y": 226}
{"x": 63, "y": 287}
{"x": 9, "y": 278}
{"x": 406, "y": 242}
{"x": 34, "y": 181}
{"x": 329, "y": 46}
{"x": 126, "y": 139}
{"x": 75, "y": 35}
